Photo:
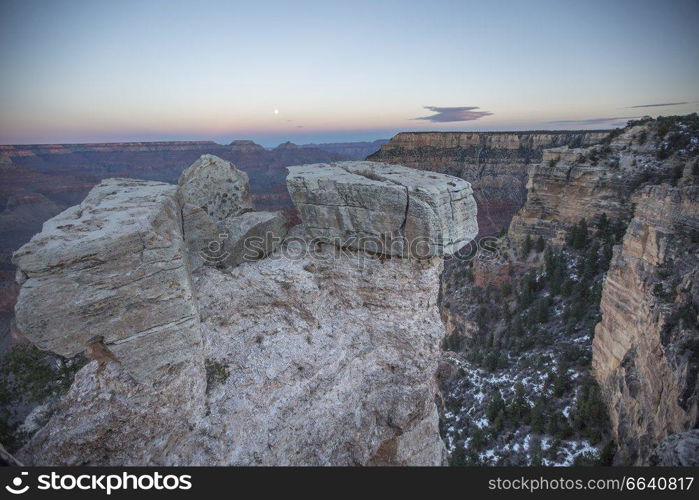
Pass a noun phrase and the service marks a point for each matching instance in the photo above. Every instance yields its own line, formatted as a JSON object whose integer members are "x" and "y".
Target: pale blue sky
{"x": 83, "y": 71}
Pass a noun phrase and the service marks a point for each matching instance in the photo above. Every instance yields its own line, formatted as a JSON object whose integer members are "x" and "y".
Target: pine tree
{"x": 525, "y": 298}
{"x": 540, "y": 244}
{"x": 567, "y": 287}
{"x": 537, "y": 420}
{"x": 577, "y": 309}
{"x": 561, "y": 381}
{"x": 556, "y": 280}
{"x": 541, "y": 311}
{"x": 580, "y": 238}
{"x": 478, "y": 439}
{"x": 607, "y": 455}
{"x": 495, "y": 406}
{"x": 603, "y": 227}
{"x": 550, "y": 261}
{"x": 606, "y": 256}
{"x": 572, "y": 235}
{"x": 491, "y": 362}
{"x": 499, "y": 421}
{"x": 590, "y": 266}
{"x": 527, "y": 247}
{"x": 553, "y": 425}
{"x": 458, "y": 456}
{"x": 535, "y": 452}
{"x": 517, "y": 329}
{"x": 580, "y": 292}
{"x": 506, "y": 313}
{"x": 519, "y": 408}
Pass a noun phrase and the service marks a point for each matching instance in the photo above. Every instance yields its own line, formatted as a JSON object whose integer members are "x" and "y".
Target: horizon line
{"x": 211, "y": 141}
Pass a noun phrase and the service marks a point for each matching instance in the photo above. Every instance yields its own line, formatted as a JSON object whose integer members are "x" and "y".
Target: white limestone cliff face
{"x": 314, "y": 355}
{"x": 332, "y": 361}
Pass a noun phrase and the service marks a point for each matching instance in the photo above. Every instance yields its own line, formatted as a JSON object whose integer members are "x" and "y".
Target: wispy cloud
{"x": 613, "y": 121}
{"x": 657, "y": 105}
{"x": 454, "y": 114}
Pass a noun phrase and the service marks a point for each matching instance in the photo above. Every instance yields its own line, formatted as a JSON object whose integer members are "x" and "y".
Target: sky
{"x": 100, "y": 71}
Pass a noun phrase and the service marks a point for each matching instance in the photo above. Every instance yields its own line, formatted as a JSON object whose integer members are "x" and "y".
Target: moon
{"x": 276, "y": 111}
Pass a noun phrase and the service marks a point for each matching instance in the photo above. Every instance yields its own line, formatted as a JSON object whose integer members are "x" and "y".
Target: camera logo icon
{"x": 16, "y": 487}
{"x": 215, "y": 253}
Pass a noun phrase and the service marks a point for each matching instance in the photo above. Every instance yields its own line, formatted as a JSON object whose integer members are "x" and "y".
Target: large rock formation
{"x": 384, "y": 208}
{"x": 645, "y": 347}
{"x": 315, "y": 355}
{"x": 644, "y": 180}
{"x": 112, "y": 269}
{"x": 332, "y": 358}
{"x": 37, "y": 177}
{"x": 495, "y": 163}
{"x": 570, "y": 184}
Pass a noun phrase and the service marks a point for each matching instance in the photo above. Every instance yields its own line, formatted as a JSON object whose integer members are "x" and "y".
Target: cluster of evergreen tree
{"x": 539, "y": 245}
{"x": 29, "y": 376}
{"x": 564, "y": 293}
{"x": 587, "y": 419}
{"x": 571, "y": 278}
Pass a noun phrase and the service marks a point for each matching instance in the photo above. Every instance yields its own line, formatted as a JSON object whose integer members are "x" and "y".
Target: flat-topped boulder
{"x": 384, "y": 208}
{"x": 112, "y": 269}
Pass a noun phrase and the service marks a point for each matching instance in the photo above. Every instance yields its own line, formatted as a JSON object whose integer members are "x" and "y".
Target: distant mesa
{"x": 287, "y": 145}
{"x": 245, "y": 146}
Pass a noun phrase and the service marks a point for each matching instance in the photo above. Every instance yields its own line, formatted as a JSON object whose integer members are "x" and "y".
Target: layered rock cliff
{"x": 645, "y": 351}
{"x": 607, "y": 237}
{"x": 574, "y": 183}
{"x": 643, "y": 178}
{"x": 316, "y": 354}
{"x": 495, "y": 163}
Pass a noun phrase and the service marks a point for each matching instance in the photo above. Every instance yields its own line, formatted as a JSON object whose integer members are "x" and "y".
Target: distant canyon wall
{"x": 495, "y": 163}
{"x": 644, "y": 179}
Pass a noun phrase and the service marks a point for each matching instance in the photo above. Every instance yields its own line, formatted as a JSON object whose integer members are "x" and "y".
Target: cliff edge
{"x": 305, "y": 353}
